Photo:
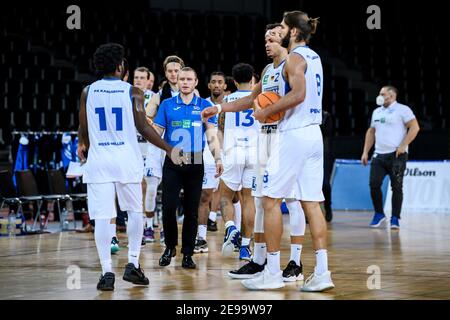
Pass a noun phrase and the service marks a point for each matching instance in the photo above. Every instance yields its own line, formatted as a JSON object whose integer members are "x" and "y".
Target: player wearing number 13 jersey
{"x": 239, "y": 159}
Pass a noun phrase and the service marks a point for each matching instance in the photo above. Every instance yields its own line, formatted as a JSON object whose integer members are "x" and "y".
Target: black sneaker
{"x": 106, "y": 282}
{"x": 247, "y": 271}
{"x": 211, "y": 225}
{"x": 201, "y": 246}
{"x": 293, "y": 272}
{"x": 135, "y": 275}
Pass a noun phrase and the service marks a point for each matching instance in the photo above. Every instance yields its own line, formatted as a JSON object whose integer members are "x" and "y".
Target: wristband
{"x": 219, "y": 108}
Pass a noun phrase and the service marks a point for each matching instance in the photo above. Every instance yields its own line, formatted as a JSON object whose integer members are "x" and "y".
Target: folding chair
{"x": 8, "y": 193}
{"x": 60, "y": 193}
{"x": 28, "y": 191}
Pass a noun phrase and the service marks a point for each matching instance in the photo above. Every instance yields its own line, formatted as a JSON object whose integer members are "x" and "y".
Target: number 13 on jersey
{"x": 248, "y": 120}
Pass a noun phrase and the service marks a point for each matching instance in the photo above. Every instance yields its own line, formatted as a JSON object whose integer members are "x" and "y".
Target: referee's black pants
{"x": 382, "y": 165}
{"x": 188, "y": 177}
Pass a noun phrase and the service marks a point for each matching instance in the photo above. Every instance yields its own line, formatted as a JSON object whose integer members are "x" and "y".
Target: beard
{"x": 216, "y": 95}
{"x": 286, "y": 39}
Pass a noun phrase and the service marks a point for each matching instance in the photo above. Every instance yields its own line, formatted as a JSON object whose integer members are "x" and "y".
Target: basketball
{"x": 266, "y": 99}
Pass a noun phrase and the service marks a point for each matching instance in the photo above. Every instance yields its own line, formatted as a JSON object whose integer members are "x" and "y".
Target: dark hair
{"x": 143, "y": 69}
{"x": 189, "y": 69}
{"x": 126, "y": 66}
{"x": 171, "y": 59}
{"x": 300, "y": 20}
{"x": 257, "y": 77}
{"x": 217, "y": 73}
{"x": 242, "y": 72}
{"x": 108, "y": 57}
{"x": 231, "y": 86}
{"x": 392, "y": 88}
{"x": 271, "y": 26}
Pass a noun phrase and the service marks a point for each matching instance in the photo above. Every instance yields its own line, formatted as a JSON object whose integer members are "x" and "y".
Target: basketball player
{"x": 217, "y": 86}
{"x": 172, "y": 65}
{"x": 110, "y": 112}
{"x": 300, "y": 149}
{"x": 267, "y": 142}
{"x": 151, "y": 82}
{"x": 239, "y": 148}
{"x": 207, "y": 213}
{"x": 151, "y": 178}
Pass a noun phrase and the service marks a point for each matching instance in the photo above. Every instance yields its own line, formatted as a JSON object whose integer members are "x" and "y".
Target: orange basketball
{"x": 265, "y": 99}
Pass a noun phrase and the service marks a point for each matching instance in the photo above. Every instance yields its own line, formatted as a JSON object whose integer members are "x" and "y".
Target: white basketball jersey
{"x": 273, "y": 79}
{"x": 241, "y": 128}
{"x": 114, "y": 154}
{"x": 309, "y": 112}
{"x": 143, "y": 144}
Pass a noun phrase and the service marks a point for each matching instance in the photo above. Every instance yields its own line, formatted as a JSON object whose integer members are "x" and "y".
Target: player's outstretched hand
{"x": 209, "y": 112}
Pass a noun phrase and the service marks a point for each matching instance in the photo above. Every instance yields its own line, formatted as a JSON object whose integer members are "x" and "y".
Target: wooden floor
{"x": 414, "y": 264}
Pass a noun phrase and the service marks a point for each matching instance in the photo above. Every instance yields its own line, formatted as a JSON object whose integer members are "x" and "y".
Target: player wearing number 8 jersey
{"x": 110, "y": 112}
{"x": 298, "y": 160}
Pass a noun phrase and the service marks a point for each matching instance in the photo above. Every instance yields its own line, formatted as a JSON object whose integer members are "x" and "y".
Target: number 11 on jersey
{"x": 102, "y": 118}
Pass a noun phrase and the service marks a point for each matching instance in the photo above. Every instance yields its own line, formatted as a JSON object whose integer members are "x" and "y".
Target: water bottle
{"x": 64, "y": 219}
{"x": 12, "y": 224}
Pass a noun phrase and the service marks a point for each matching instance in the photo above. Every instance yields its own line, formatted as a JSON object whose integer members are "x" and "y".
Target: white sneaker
{"x": 265, "y": 281}
{"x": 318, "y": 283}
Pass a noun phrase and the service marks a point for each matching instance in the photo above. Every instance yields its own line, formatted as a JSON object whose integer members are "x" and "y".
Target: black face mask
{"x": 285, "y": 40}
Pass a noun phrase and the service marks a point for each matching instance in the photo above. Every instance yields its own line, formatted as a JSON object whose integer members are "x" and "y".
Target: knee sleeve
{"x": 151, "y": 193}
{"x": 259, "y": 216}
{"x": 296, "y": 218}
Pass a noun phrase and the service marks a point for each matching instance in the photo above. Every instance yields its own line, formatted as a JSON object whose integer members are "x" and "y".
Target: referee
{"x": 392, "y": 129}
{"x": 180, "y": 119}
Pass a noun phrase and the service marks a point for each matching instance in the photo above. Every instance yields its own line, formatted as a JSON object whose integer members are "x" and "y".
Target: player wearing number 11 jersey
{"x": 110, "y": 112}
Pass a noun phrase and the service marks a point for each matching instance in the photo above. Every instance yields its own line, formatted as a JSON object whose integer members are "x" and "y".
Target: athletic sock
{"x": 273, "y": 262}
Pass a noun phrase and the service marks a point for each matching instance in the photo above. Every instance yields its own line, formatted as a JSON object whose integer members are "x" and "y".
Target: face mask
{"x": 380, "y": 101}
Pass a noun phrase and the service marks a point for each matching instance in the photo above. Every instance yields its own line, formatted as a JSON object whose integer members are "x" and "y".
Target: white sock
{"x": 102, "y": 237}
{"x": 135, "y": 229}
{"x": 237, "y": 215}
{"x": 149, "y": 222}
{"x": 296, "y": 252}
{"x": 273, "y": 262}
{"x": 213, "y": 216}
{"x": 321, "y": 261}
{"x": 112, "y": 230}
{"x": 202, "y": 231}
{"x": 229, "y": 224}
{"x": 259, "y": 253}
{"x": 245, "y": 241}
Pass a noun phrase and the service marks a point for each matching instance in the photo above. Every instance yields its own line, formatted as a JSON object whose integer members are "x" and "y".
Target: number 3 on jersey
{"x": 248, "y": 121}
{"x": 102, "y": 118}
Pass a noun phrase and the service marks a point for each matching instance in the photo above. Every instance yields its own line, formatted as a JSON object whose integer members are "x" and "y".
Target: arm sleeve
{"x": 372, "y": 124}
{"x": 160, "y": 118}
{"x": 206, "y": 104}
{"x": 407, "y": 114}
